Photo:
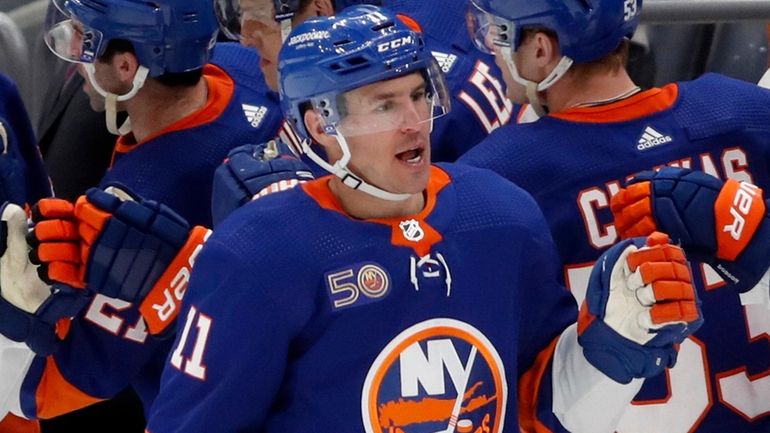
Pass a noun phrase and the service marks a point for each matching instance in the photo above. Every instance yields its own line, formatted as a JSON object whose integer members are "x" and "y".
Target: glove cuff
{"x": 38, "y": 330}
{"x": 20, "y": 326}
{"x": 162, "y": 304}
{"x": 623, "y": 360}
{"x": 753, "y": 262}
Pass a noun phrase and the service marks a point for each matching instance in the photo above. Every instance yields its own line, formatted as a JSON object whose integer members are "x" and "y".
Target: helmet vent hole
{"x": 355, "y": 61}
{"x": 348, "y": 65}
{"x": 382, "y": 26}
{"x": 190, "y": 17}
{"x": 342, "y": 42}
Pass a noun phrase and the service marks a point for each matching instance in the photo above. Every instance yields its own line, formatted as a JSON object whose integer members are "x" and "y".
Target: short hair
{"x": 612, "y": 62}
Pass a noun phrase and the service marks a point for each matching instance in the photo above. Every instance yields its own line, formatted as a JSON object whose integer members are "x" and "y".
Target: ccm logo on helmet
{"x": 386, "y": 46}
{"x": 742, "y": 202}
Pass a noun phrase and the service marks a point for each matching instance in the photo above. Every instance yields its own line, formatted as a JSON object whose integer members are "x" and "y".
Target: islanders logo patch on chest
{"x": 441, "y": 375}
{"x": 358, "y": 284}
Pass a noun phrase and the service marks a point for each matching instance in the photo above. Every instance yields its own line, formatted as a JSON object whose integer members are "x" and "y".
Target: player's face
{"x": 261, "y": 31}
{"x": 104, "y": 74}
{"x": 397, "y": 158}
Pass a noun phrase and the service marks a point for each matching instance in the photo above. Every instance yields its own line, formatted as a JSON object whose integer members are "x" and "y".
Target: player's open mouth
{"x": 411, "y": 156}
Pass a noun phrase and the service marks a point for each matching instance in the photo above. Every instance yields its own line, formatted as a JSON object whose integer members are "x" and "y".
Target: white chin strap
{"x": 340, "y": 169}
{"x": 285, "y": 28}
{"x": 532, "y": 87}
{"x": 111, "y": 100}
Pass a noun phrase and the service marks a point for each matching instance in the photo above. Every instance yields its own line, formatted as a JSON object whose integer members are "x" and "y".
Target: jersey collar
{"x": 402, "y": 228}
{"x": 640, "y": 105}
{"x": 221, "y": 88}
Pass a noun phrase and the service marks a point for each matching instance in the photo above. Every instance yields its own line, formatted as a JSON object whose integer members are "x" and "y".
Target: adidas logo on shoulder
{"x": 444, "y": 60}
{"x": 651, "y": 138}
{"x": 254, "y": 114}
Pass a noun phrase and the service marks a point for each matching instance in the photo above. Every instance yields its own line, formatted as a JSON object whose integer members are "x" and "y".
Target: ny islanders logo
{"x": 441, "y": 375}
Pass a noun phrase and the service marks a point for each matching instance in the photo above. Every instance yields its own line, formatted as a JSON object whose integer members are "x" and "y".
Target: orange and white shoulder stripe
{"x": 288, "y": 135}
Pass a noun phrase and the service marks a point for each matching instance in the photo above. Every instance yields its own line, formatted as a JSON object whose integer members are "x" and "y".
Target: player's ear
{"x": 546, "y": 49}
{"x": 125, "y": 65}
{"x": 323, "y": 8}
{"x": 313, "y": 8}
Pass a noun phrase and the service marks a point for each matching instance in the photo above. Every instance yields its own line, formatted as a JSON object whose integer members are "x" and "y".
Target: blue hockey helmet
{"x": 325, "y": 58}
{"x": 233, "y": 13}
{"x": 587, "y": 29}
{"x": 168, "y": 36}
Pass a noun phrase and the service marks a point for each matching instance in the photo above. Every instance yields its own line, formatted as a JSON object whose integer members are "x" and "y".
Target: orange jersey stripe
{"x": 14, "y": 424}
{"x": 56, "y": 396}
{"x": 529, "y": 391}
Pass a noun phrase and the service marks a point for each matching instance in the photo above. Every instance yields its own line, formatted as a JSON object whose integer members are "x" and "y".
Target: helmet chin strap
{"x": 533, "y": 89}
{"x": 340, "y": 169}
{"x": 111, "y": 100}
{"x": 285, "y": 28}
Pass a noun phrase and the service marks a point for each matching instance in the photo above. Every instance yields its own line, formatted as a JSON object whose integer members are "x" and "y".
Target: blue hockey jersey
{"x": 326, "y": 323}
{"x": 572, "y": 162}
{"x": 475, "y": 83}
{"x": 107, "y": 347}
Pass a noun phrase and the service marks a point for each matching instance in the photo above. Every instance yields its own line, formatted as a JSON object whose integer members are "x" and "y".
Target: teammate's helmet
{"x": 231, "y": 13}
{"x": 324, "y": 58}
{"x": 587, "y": 29}
{"x": 168, "y": 36}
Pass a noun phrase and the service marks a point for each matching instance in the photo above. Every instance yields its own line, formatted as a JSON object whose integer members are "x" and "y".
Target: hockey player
{"x": 408, "y": 297}
{"x": 479, "y": 104}
{"x": 185, "y": 116}
{"x": 600, "y": 129}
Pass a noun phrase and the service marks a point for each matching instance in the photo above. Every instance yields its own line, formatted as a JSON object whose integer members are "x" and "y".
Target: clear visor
{"x": 487, "y": 31}
{"x": 407, "y": 102}
{"x": 69, "y": 39}
{"x": 247, "y": 19}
